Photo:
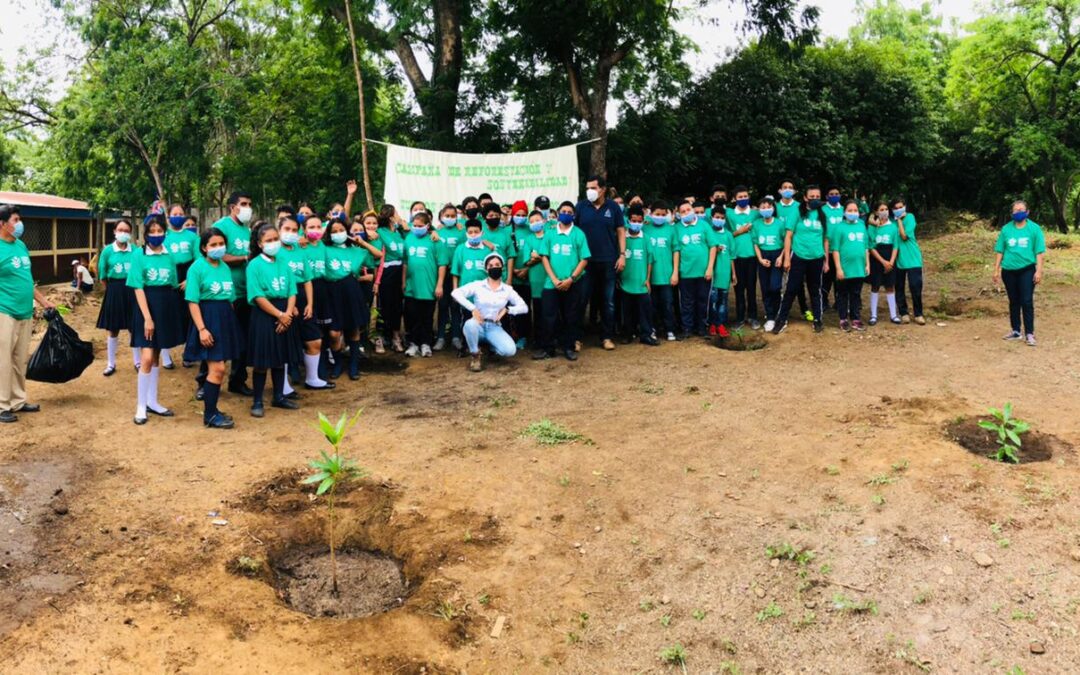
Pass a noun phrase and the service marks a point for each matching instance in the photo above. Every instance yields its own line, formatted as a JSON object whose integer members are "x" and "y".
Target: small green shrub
{"x": 547, "y": 432}
{"x": 1008, "y": 430}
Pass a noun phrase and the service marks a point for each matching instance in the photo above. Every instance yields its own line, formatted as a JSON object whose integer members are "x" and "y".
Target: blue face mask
{"x": 719, "y": 223}
{"x": 520, "y": 220}
{"x": 474, "y": 241}
{"x": 834, "y": 200}
{"x": 766, "y": 213}
{"x": 17, "y": 229}
{"x": 899, "y": 213}
{"x": 420, "y": 230}
{"x": 155, "y": 240}
{"x": 192, "y": 228}
{"x": 339, "y": 237}
{"x": 634, "y": 227}
{"x": 290, "y": 238}
{"x": 448, "y": 222}
{"x": 787, "y": 194}
{"x": 537, "y": 227}
{"x": 1020, "y": 216}
{"x": 742, "y": 203}
{"x": 216, "y": 253}
{"x": 689, "y": 219}
{"x": 566, "y": 218}
{"x": 300, "y": 218}
{"x": 813, "y": 204}
{"x": 658, "y": 220}
{"x": 851, "y": 217}
{"x": 177, "y": 221}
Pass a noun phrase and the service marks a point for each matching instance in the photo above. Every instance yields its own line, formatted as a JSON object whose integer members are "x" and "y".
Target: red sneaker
{"x": 722, "y": 332}
{"x": 712, "y": 331}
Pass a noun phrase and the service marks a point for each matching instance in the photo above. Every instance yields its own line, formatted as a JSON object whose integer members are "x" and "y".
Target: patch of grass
{"x": 881, "y": 479}
{"x": 878, "y": 500}
{"x": 786, "y": 551}
{"x": 832, "y": 470}
{"x": 564, "y": 481}
{"x": 730, "y": 667}
{"x": 908, "y": 654}
{"x": 808, "y": 619}
{"x": 502, "y": 401}
{"x": 923, "y": 597}
{"x": 572, "y": 638}
{"x": 650, "y": 389}
{"x": 546, "y": 432}
{"x": 900, "y": 466}
{"x": 646, "y": 605}
{"x": 1019, "y": 615}
{"x": 447, "y": 611}
{"x": 771, "y": 611}
{"x": 674, "y": 655}
{"x": 665, "y": 620}
{"x": 583, "y": 620}
{"x": 825, "y": 569}
{"x": 698, "y": 614}
{"x": 248, "y": 566}
{"x": 842, "y": 603}
{"x": 484, "y": 599}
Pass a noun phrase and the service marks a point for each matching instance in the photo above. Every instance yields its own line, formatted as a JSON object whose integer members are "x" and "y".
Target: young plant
{"x": 332, "y": 471}
{"x": 675, "y": 655}
{"x": 547, "y": 432}
{"x": 1008, "y": 430}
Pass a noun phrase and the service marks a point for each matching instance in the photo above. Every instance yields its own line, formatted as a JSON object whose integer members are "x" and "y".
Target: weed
{"x": 832, "y": 470}
{"x": 547, "y": 432}
{"x": 665, "y": 620}
{"x": 844, "y": 604}
{"x": 1008, "y": 430}
{"x": 564, "y": 481}
{"x": 908, "y": 654}
{"x": 900, "y": 466}
{"x": 730, "y": 667}
{"x": 674, "y": 655}
{"x": 878, "y": 500}
{"x": 881, "y": 479}
{"x": 771, "y": 611}
{"x": 468, "y": 536}
{"x": 1016, "y": 670}
{"x": 583, "y": 620}
{"x": 1019, "y": 615}
{"x": 572, "y": 638}
{"x": 806, "y": 620}
{"x": 698, "y": 614}
{"x": 786, "y": 551}
{"x": 651, "y": 389}
{"x": 706, "y": 406}
{"x": 248, "y": 566}
{"x": 923, "y": 596}
{"x": 646, "y": 605}
{"x": 484, "y": 599}
{"x": 446, "y": 611}
{"x": 502, "y": 401}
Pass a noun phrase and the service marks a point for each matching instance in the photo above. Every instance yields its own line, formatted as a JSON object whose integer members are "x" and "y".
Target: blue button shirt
{"x": 600, "y": 226}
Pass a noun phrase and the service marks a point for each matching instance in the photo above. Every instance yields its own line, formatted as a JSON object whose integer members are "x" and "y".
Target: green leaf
{"x": 325, "y": 485}
{"x": 1012, "y": 436}
{"x": 316, "y": 477}
{"x": 989, "y": 426}
{"x": 1021, "y": 427}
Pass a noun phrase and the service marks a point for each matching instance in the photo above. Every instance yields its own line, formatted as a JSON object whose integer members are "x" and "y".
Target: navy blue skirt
{"x": 116, "y": 308}
{"x": 307, "y": 330}
{"x": 164, "y": 305}
{"x": 348, "y": 311}
{"x": 220, "y": 319}
{"x": 323, "y": 305}
{"x": 266, "y": 348}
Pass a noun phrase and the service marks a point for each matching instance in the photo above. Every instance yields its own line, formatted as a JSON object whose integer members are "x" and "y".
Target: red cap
{"x": 519, "y": 205}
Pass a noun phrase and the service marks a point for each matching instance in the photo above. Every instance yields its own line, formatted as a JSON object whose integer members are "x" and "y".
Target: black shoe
{"x": 650, "y": 340}
{"x": 571, "y": 355}
{"x": 220, "y": 421}
{"x": 257, "y": 410}
{"x": 170, "y": 366}
{"x": 541, "y": 354}
{"x": 241, "y": 389}
{"x": 140, "y": 421}
{"x": 779, "y": 328}
{"x": 818, "y": 327}
{"x": 187, "y": 364}
{"x": 354, "y": 376}
{"x": 109, "y": 370}
{"x": 682, "y": 336}
{"x": 286, "y": 404}
{"x": 7, "y": 417}
{"x": 164, "y": 413}
{"x": 29, "y": 408}
{"x": 200, "y": 393}
{"x": 293, "y": 396}
{"x": 328, "y": 385}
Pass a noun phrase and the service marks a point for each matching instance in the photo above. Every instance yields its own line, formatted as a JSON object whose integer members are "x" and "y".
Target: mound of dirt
{"x": 744, "y": 342}
{"x": 368, "y": 583}
{"x": 1037, "y": 446}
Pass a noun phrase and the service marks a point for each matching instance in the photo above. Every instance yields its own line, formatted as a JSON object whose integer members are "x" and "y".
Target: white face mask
{"x": 592, "y": 195}
{"x": 244, "y": 216}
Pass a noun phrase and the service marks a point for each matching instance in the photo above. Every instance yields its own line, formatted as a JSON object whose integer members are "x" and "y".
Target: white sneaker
{"x": 670, "y": 337}
{"x": 440, "y": 344}
{"x": 456, "y": 344}
{"x": 769, "y": 325}
{"x": 413, "y": 350}
{"x": 425, "y": 351}
{"x": 754, "y": 324}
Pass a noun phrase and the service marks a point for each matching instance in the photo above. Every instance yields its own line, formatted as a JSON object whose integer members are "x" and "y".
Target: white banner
{"x": 436, "y": 178}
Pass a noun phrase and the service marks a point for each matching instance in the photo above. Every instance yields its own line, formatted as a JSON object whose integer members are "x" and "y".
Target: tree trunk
{"x": 442, "y": 95}
{"x": 363, "y": 119}
{"x": 1057, "y": 203}
{"x": 598, "y": 152}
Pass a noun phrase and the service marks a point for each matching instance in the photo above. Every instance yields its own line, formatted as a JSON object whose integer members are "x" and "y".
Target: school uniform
{"x": 423, "y": 259}
{"x": 562, "y": 310}
{"x": 503, "y": 240}
{"x": 296, "y": 258}
{"x": 692, "y": 245}
{"x": 833, "y": 216}
{"x": 883, "y": 239}
{"x": 769, "y": 239}
{"x": 850, "y": 241}
{"x": 909, "y": 269}
{"x": 745, "y": 264}
{"x": 789, "y": 213}
{"x": 155, "y": 275}
{"x": 269, "y": 278}
{"x": 237, "y": 243}
{"x": 448, "y": 320}
{"x": 16, "y": 323}
{"x": 390, "y": 294}
{"x": 119, "y": 302}
{"x": 1019, "y": 248}
{"x": 662, "y": 242}
{"x": 211, "y": 288}
{"x": 535, "y": 275}
{"x": 637, "y": 304}
{"x": 348, "y": 311}
{"x": 807, "y": 264}
{"x": 315, "y": 255}
{"x": 724, "y": 242}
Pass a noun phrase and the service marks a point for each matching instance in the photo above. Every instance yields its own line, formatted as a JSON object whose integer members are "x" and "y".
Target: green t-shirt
{"x": 296, "y": 258}
{"x": 564, "y": 250}
{"x": 692, "y": 245}
{"x": 452, "y": 237}
{"x": 636, "y": 271}
{"x": 423, "y": 257}
{"x": 209, "y": 282}
{"x": 1019, "y": 246}
{"x": 910, "y": 256}
{"x": 16, "y": 281}
{"x": 315, "y": 253}
{"x": 183, "y": 245}
{"x": 152, "y": 270}
{"x": 807, "y": 236}
{"x": 237, "y": 242}
{"x": 393, "y": 244}
{"x": 468, "y": 263}
{"x": 883, "y": 235}
{"x": 114, "y": 263}
{"x": 850, "y": 241}
{"x": 768, "y": 236}
{"x": 537, "y": 273}
{"x": 367, "y": 260}
{"x": 789, "y": 213}
{"x": 725, "y": 244}
{"x": 744, "y": 243}
{"x": 270, "y": 279}
{"x": 342, "y": 260}
{"x": 503, "y": 240}
{"x": 662, "y": 241}
{"x": 834, "y": 215}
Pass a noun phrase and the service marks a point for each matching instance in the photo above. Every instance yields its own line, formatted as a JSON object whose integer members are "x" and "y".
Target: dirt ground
{"x": 794, "y": 509}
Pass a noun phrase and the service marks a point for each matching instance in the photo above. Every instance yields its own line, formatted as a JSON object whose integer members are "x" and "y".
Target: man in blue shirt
{"x": 601, "y": 219}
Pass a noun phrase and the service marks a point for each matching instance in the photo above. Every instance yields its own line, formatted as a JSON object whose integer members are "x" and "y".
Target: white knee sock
{"x": 873, "y": 305}
{"x": 112, "y": 343}
{"x": 136, "y": 354}
{"x": 151, "y": 393}
{"x": 166, "y": 358}
{"x": 287, "y": 389}
{"x": 311, "y": 371}
{"x": 891, "y": 299}
{"x": 143, "y": 389}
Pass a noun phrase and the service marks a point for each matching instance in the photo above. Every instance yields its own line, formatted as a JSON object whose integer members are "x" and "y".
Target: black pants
{"x": 772, "y": 282}
{"x": 694, "y": 299}
{"x": 849, "y": 298}
{"x": 238, "y": 374}
{"x": 828, "y": 280}
{"x": 663, "y": 305}
{"x": 637, "y": 314}
{"x": 803, "y": 274}
{"x": 600, "y": 292}
{"x": 522, "y": 323}
{"x": 418, "y": 317}
{"x": 746, "y": 289}
{"x": 390, "y": 301}
{"x": 561, "y": 316}
{"x": 1020, "y": 285}
{"x": 913, "y": 278}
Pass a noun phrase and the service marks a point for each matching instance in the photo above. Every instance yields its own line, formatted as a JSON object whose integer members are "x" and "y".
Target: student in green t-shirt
{"x": 768, "y": 234}
{"x": 215, "y": 335}
{"x": 271, "y": 291}
{"x": 787, "y": 210}
{"x": 634, "y": 281}
{"x": 529, "y": 269}
{"x": 694, "y": 261}
{"x": 832, "y": 212}
{"x": 423, "y": 272}
{"x": 448, "y": 319}
{"x": 1018, "y": 263}
{"x": 909, "y": 264}
{"x": 348, "y": 313}
{"x": 305, "y": 326}
{"x": 740, "y": 219}
{"x": 155, "y": 323}
{"x": 564, "y": 252}
{"x": 806, "y": 257}
{"x": 520, "y": 324}
{"x": 237, "y": 243}
{"x": 388, "y": 288}
{"x": 723, "y": 243}
{"x": 882, "y": 238}
{"x": 370, "y": 267}
{"x": 118, "y": 305}
{"x": 501, "y": 238}
{"x": 661, "y": 236}
{"x": 851, "y": 257}
{"x": 183, "y": 245}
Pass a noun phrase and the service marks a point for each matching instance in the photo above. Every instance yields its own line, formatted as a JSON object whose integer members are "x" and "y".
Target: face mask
{"x": 495, "y": 273}
{"x": 520, "y": 220}
{"x": 1020, "y": 216}
{"x": 834, "y": 200}
{"x": 658, "y": 220}
{"x": 493, "y": 222}
{"x": 339, "y": 238}
{"x": 472, "y": 212}
{"x": 899, "y": 213}
{"x": 290, "y": 238}
{"x": 851, "y": 217}
{"x": 177, "y": 221}
{"x": 420, "y": 230}
{"x": 742, "y": 203}
{"x": 17, "y": 229}
{"x": 634, "y": 227}
{"x": 766, "y": 213}
{"x": 448, "y": 222}
{"x": 545, "y": 213}
{"x": 787, "y": 194}
{"x": 592, "y": 195}
{"x": 271, "y": 248}
{"x": 882, "y": 216}
{"x": 313, "y": 235}
{"x": 244, "y": 216}
{"x": 123, "y": 237}
{"x": 474, "y": 241}
{"x": 689, "y": 219}
{"x": 216, "y": 253}
{"x": 814, "y": 204}
{"x": 192, "y": 228}
{"x": 359, "y": 234}
{"x": 536, "y": 227}
{"x": 718, "y": 223}
{"x": 301, "y": 217}
{"x": 155, "y": 240}
{"x": 566, "y": 218}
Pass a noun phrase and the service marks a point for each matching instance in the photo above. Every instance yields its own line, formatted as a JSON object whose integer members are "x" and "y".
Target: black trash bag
{"x": 62, "y": 356}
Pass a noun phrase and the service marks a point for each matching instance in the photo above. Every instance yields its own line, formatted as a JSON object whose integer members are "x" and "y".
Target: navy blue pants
{"x": 849, "y": 298}
{"x": 1020, "y": 286}
{"x": 637, "y": 314}
{"x": 600, "y": 293}
{"x": 803, "y": 273}
{"x": 746, "y": 289}
{"x": 561, "y": 320}
{"x": 694, "y": 301}
{"x": 913, "y": 279}
{"x": 663, "y": 304}
{"x": 772, "y": 282}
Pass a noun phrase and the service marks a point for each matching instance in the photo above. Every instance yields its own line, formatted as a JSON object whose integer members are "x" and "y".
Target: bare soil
{"x": 367, "y": 583}
{"x": 892, "y": 548}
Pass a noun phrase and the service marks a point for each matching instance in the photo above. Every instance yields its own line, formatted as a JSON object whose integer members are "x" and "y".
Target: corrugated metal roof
{"x": 44, "y": 201}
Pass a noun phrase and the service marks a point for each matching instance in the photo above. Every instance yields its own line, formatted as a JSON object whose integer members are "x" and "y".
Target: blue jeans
{"x": 772, "y": 282}
{"x": 600, "y": 291}
{"x": 492, "y": 333}
{"x": 1020, "y": 285}
{"x": 718, "y": 298}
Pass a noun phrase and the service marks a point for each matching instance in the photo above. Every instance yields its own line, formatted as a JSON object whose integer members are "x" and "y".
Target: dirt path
{"x": 903, "y": 550}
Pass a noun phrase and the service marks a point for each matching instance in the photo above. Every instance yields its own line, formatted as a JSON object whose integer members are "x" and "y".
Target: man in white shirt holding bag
{"x": 489, "y": 300}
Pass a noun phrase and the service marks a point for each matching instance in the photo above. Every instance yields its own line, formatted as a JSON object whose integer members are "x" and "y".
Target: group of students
{"x": 298, "y": 295}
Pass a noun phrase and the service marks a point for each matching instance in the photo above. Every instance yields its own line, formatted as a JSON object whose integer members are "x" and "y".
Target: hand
{"x": 477, "y": 316}
{"x": 373, "y": 236}
{"x": 294, "y": 312}
{"x": 183, "y": 285}
{"x": 285, "y": 320}
{"x": 520, "y": 274}
{"x": 764, "y": 262}
{"x": 307, "y": 313}
{"x": 997, "y": 276}
{"x": 438, "y": 292}
{"x": 825, "y": 267}
{"x": 734, "y": 279}
{"x": 533, "y": 255}
{"x": 708, "y": 275}
{"x": 434, "y": 234}
{"x": 499, "y": 317}
{"x": 620, "y": 264}
{"x": 350, "y": 187}
{"x": 1038, "y": 277}
{"x": 648, "y": 286}
{"x": 488, "y": 244}
{"x": 280, "y": 328}
{"x": 148, "y": 329}
{"x": 375, "y": 289}
{"x": 565, "y": 284}
{"x": 675, "y": 279}
{"x": 867, "y": 269}
{"x": 888, "y": 267}
{"x": 839, "y": 274}
{"x": 205, "y": 338}
{"x": 787, "y": 264}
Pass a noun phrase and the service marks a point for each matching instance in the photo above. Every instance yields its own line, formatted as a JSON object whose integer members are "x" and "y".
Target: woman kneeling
{"x": 489, "y": 300}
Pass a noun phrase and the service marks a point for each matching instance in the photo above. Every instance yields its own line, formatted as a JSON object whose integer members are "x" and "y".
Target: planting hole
{"x": 1037, "y": 446}
{"x": 368, "y": 583}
